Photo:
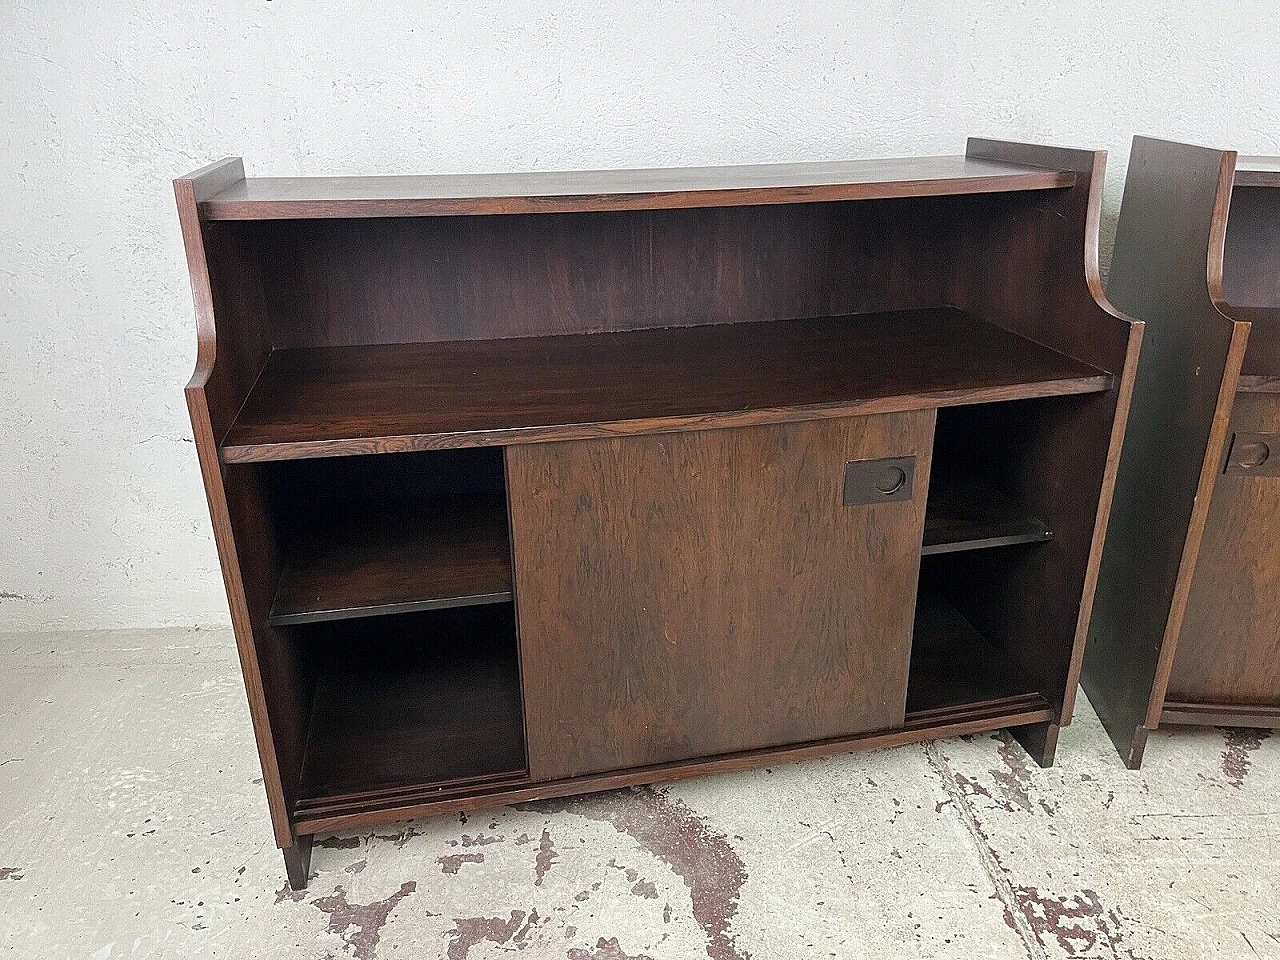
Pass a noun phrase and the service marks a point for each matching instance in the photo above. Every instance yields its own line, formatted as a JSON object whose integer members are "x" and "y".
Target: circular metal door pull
{"x": 1253, "y": 454}
{"x": 891, "y": 480}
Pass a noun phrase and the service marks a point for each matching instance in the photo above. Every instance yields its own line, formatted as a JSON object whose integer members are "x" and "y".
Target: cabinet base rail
{"x": 1031, "y": 718}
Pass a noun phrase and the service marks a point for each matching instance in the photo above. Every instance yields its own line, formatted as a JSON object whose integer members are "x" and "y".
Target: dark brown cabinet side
{"x": 1186, "y": 625}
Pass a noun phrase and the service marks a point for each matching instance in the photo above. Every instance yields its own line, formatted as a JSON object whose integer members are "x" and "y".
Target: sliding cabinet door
{"x": 692, "y": 594}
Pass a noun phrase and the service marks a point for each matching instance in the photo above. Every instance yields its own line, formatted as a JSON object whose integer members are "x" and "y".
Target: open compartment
{"x": 392, "y": 334}
{"x": 1008, "y": 533}
{"x": 973, "y": 501}
{"x": 366, "y": 536}
{"x": 410, "y": 704}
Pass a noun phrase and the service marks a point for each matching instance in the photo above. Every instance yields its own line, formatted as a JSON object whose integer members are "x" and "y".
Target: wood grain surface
{"x": 417, "y": 700}
{"x": 1251, "y": 274}
{"x": 588, "y": 190}
{"x": 1229, "y": 645}
{"x": 278, "y": 683}
{"x": 1167, "y": 269}
{"x": 975, "y": 516}
{"x": 705, "y": 593}
{"x": 397, "y": 557}
{"x": 378, "y": 399}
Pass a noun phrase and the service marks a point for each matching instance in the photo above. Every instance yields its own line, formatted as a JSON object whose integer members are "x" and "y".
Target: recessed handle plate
{"x": 888, "y": 480}
{"x": 1255, "y": 453}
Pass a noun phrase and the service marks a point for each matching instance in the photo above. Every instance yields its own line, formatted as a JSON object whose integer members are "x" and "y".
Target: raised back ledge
{"x": 1257, "y": 172}
{"x": 272, "y": 198}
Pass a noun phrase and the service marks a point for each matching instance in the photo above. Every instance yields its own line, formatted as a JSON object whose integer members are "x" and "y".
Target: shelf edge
{"x": 387, "y": 609}
{"x": 305, "y": 449}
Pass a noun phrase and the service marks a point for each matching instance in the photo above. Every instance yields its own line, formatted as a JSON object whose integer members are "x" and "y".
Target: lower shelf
{"x": 956, "y": 671}
{"x": 407, "y": 702}
{"x": 421, "y": 714}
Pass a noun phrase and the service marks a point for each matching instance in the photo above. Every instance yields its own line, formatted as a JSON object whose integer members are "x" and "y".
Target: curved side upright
{"x": 216, "y": 390}
{"x": 1166, "y": 269}
{"x": 1034, "y": 270}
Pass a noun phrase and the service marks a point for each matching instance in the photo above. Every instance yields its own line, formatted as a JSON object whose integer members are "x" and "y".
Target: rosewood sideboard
{"x": 1187, "y": 623}
{"x": 533, "y": 484}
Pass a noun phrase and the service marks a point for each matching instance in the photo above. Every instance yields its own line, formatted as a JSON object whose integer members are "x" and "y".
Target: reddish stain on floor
{"x": 1080, "y": 924}
{"x": 606, "y": 950}
{"x": 469, "y": 931}
{"x": 454, "y": 861}
{"x": 546, "y": 857}
{"x": 669, "y": 830}
{"x": 1241, "y": 741}
{"x": 368, "y": 919}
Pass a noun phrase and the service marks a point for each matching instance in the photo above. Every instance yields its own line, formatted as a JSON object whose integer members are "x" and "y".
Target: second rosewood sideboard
{"x": 1187, "y": 626}
{"x": 534, "y": 484}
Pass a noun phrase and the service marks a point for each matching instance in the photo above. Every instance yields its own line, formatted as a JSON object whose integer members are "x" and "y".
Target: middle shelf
{"x": 972, "y": 516}
{"x": 402, "y": 556}
{"x": 406, "y": 555}
{"x": 322, "y": 401}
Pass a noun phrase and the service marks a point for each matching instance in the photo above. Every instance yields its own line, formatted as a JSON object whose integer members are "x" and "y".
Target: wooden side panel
{"x": 1030, "y": 264}
{"x": 703, "y": 593}
{"x": 1229, "y": 647}
{"x": 228, "y": 298}
{"x": 1166, "y": 269}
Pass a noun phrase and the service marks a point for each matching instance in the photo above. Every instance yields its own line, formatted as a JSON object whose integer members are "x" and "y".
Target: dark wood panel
{"x": 955, "y": 723}
{"x": 1167, "y": 269}
{"x": 412, "y": 280}
{"x": 397, "y": 557}
{"x": 1261, "y": 370}
{"x": 1251, "y": 274}
{"x": 414, "y": 701}
{"x": 324, "y": 402}
{"x": 1229, "y": 645}
{"x": 1258, "y": 172}
{"x": 973, "y": 515}
{"x": 277, "y": 683}
{"x": 588, "y": 190}
{"x": 1033, "y": 268}
{"x": 1261, "y": 367}
{"x": 669, "y": 586}
{"x": 1219, "y": 714}
{"x": 954, "y": 666}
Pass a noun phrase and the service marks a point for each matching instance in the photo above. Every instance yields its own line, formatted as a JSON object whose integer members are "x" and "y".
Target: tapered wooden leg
{"x": 1040, "y": 740}
{"x": 297, "y": 862}
{"x": 1139, "y": 743}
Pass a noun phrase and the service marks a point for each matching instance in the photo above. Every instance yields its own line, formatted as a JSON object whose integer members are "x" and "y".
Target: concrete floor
{"x": 135, "y": 827}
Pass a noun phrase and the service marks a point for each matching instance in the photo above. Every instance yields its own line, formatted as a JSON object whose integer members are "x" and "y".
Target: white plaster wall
{"x": 102, "y": 517}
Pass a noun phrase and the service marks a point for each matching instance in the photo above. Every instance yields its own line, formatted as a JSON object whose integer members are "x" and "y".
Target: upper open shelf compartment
{"x": 291, "y": 198}
{"x": 330, "y": 401}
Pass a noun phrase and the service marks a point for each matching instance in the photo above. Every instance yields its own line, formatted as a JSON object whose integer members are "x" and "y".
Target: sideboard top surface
{"x": 272, "y": 198}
